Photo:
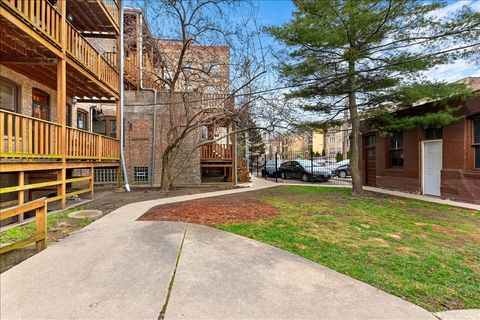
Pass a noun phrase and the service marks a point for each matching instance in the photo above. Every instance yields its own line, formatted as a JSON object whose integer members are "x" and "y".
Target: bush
{"x": 339, "y": 157}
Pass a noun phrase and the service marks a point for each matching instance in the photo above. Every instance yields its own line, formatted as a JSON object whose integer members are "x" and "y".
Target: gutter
{"x": 122, "y": 142}
{"x": 154, "y": 91}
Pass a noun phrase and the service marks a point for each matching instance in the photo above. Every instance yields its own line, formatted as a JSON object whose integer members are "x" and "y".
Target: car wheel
{"x": 283, "y": 175}
{"x": 342, "y": 174}
{"x": 305, "y": 177}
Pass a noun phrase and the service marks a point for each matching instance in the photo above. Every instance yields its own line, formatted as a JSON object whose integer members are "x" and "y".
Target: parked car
{"x": 342, "y": 171}
{"x": 335, "y": 165}
{"x": 268, "y": 169}
{"x": 302, "y": 169}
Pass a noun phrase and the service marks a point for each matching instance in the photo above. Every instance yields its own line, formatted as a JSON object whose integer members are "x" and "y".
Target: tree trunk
{"x": 357, "y": 188}
{"x": 165, "y": 182}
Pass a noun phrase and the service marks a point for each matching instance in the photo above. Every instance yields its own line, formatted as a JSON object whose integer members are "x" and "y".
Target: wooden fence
{"x": 40, "y": 235}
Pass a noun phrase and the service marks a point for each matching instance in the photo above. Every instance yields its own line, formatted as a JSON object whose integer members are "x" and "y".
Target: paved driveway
{"x": 119, "y": 268}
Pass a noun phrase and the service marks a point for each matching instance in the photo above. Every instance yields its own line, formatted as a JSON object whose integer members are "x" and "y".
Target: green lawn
{"x": 24, "y": 231}
{"x": 426, "y": 253}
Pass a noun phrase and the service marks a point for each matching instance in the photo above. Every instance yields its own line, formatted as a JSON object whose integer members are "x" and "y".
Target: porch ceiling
{"x": 89, "y": 16}
{"x": 23, "y": 54}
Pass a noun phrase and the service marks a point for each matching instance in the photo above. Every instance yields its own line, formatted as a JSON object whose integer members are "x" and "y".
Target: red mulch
{"x": 211, "y": 211}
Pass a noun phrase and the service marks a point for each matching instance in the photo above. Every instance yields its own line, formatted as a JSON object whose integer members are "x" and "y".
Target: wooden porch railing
{"x": 83, "y": 52}
{"x": 41, "y": 14}
{"x": 214, "y": 151}
{"x": 46, "y": 20}
{"x": 27, "y": 137}
{"x": 91, "y": 146}
{"x": 24, "y": 137}
{"x": 215, "y": 100}
{"x": 40, "y": 235}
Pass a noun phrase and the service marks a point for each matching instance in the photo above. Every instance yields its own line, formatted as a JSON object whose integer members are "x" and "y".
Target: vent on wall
{"x": 140, "y": 174}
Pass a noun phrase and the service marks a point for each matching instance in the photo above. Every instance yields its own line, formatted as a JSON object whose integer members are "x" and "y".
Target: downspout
{"x": 235, "y": 178}
{"x": 122, "y": 142}
{"x": 154, "y": 91}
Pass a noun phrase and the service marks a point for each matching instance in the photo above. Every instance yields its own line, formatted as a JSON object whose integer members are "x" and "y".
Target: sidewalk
{"x": 120, "y": 268}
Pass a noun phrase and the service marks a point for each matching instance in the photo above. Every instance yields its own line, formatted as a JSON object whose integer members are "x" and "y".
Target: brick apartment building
{"x": 158, "y": 58}
{"x": 50, "y": 58}
{"x": 442, "y": 162}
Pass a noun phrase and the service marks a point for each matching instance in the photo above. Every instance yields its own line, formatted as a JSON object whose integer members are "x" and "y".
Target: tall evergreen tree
{"x": 357, "y": 55}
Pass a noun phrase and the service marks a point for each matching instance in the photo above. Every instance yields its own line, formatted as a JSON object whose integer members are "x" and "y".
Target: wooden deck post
{"x": 21, "y": 194}
{"x": 41, "y": 226}
{"x": 91, "y": 180}
{"x": 62, "y": 104}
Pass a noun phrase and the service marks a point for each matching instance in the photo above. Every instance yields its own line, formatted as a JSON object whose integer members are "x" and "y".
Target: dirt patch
{"x": 108, "y": 200}
{"x": 212, "y": 211}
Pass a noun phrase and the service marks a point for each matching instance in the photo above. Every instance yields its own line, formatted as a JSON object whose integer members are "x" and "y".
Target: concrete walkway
{"x": 120, "y": 268}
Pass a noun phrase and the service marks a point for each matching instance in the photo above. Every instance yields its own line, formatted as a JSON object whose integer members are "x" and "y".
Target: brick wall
{"x": 25, "y": 86}
{"x": 139, "y": 139}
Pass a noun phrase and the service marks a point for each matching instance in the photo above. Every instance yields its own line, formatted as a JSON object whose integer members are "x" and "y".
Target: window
{"x": 140, "y": 174}
{"x": 69, "y": 115}
{"x": 81, "y": 120}
{"x": 370, "y": 142}
{"x": 396, "y": 149}
{"x": 113, "y": 128}
{"x": 105, "y": 175}
{"x": 8, "y": 95}
{"x": 476, "y": 143}
{"x": 433, "y": 133}
{"x": 40, "y": 104}
{"x": 100, "y": 127}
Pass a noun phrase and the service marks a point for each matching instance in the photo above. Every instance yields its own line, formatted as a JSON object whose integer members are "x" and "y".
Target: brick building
{"x": 442, "y": 162}
{"x": 50, "y": 59}
{"x": 147, "y": 60}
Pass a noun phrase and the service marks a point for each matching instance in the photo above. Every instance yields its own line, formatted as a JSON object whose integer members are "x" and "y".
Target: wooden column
{"x": 21, "y": 194}
{"x": 91, "y": 181}
{"x": 62, "y": 104}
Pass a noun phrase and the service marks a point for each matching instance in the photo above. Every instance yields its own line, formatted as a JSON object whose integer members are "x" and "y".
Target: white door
{"x": 432, "y": 166}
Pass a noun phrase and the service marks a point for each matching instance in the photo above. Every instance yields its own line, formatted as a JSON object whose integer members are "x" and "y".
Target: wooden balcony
{"x": 31, "y": 33}
{"x": 213, "y": 152}
{"x": 27, "y": 139}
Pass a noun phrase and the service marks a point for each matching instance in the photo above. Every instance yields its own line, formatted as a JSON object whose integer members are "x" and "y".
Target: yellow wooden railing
{"x": 216, "y": 100}
{"x": 84, "y": 53}
{"x": 41, "y": 14}
{"x": 25, "y": 137}
{"x": 214, "y": 151}
{"x": 91, "y": 146}
{"x": 45, "y": 19}
{"x": 40, "y": 235}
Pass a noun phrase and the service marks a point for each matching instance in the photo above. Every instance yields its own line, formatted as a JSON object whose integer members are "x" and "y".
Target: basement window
{"x": 140, "y": 174}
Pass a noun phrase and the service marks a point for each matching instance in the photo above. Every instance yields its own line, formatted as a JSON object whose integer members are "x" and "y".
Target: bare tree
{"x": 199, "y": 55}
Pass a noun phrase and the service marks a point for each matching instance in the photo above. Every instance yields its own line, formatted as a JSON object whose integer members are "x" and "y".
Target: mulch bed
{"x": 212, "y": 211}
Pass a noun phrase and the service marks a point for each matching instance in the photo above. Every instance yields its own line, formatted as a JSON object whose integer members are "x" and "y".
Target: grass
{"x": 24, "y": 231}
{"x": 425, "y": 253}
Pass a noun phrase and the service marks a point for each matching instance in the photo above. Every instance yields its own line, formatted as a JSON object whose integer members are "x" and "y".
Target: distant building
{"x": 337, "y": 140}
